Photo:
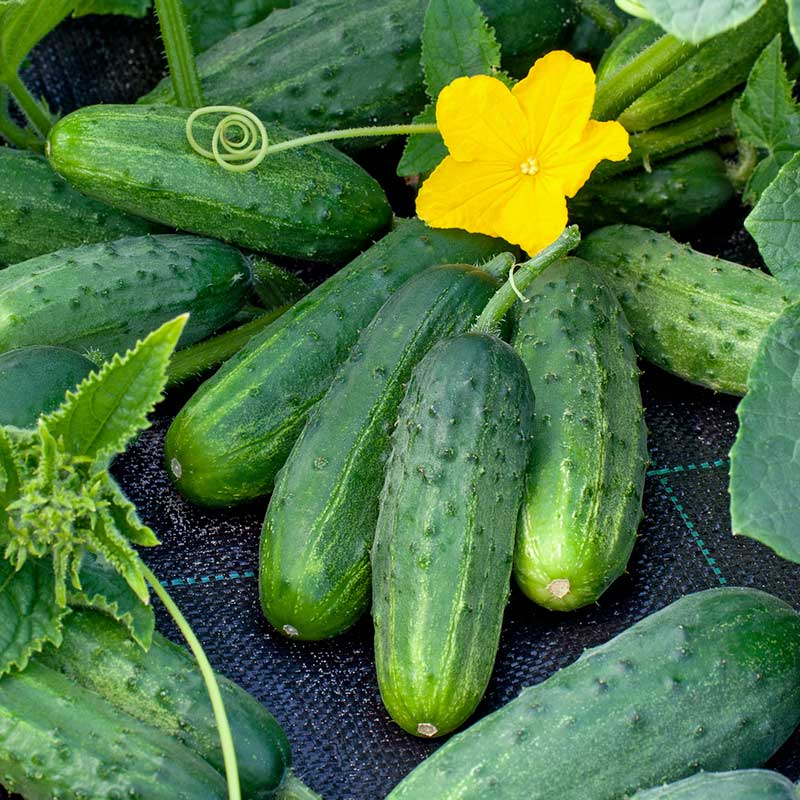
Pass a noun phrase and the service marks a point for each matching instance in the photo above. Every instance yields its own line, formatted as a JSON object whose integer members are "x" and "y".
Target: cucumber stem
{"x": 33, "y": 110}
{"x": 351, "y": 133}
{"x": 499, "y": 266}
{"x": 601, "y": 15}
{"x": 508, "y": 294}
{"x": 223, "y": 727}
{"x": 293, "y": 788}
{"x": 13, "y": 133}
{"x": 180, "y": 56}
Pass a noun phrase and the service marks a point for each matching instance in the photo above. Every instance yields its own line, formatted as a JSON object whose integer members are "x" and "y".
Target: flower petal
{"x": 557, "y": 98}
{"x": 468, "y": 195}
{"x": 480, "y": 120}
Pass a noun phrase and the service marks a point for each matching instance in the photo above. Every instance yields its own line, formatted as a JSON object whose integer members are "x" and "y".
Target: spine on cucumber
{"x": 444, "y": 540}
{"x": 744, "y": 784}
{"x": 583, "y": 491}
{"x": 696, "y": 316}
{"x": 712, "y": 682}
{"x": 228, "y": 443}
{"x": 314, "y": 564}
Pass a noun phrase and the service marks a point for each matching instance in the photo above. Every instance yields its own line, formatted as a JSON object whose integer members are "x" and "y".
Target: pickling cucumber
{"x": 583, "y": 492}
{"x": 235, "y": 433}
{"x": 314, "y": 563}
{"x": 693, "y": 315}
{"x": 711, "y": 682}
{"x": 743, "y": 784}
{"x": 311, "y": 203}
{"x": 444, "y": 540}
{"x": 105, "y": 296}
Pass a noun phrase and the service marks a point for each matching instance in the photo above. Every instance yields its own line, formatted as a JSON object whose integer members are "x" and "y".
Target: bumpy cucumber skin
{"x": 583, "y": 492}
{"x": 744, "y": 784}
{"x": 35, "y": 380}
{"x": 164, "y": 689}
{"x": 677, "y": 195}
{"x": 59, "y": 741}
{"x": 636, "y": 37}
{"x": 312, "y": 202}
{"x": 696, "y": 316}
{"x": 444, "y": 541}
{"x": 712, "y": 682}
{"x": 40, "y": 213}
{"x": 317, "y": 534}
{"x": 105, "y": 296}
{"x": 340, "y": 63}
{"x": 229, "y": 441}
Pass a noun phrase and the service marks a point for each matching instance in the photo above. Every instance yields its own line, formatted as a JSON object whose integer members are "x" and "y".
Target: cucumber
{"x": 311, "y": 203}
{"x": 59, "y": 740}
{"x": 711, "y": 682}
{"x": 636, "y": 37}
{"x": 40, "y": 212}
{"x": 583, "y": 492}
{"x": 106, "y": 296}
{"x": 35, "y": 380}
{"x": 696, "y": 316}
{"x": 676, "y": 195}
{"x": 744, "y": 784}
{"x": 444, "y": 540}
{"x": 331, "y": 64}
{"x": 164, "y": 689}
{"x": 314, "y": 563}
{"x": 229, "y": 441}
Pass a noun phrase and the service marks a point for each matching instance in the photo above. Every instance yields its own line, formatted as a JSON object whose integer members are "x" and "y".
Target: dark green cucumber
{"x": 583, "y": 493}
{"x": 636, "y": 37}
{"x": 106, "y": 296}
{"x": 743, "y": 784}
{"x": 676, "y": 195}
{"x": 312, "y": 202}
{"x": 314, "y": 564}
{"x": 444, "y": 540}
{"x": 694, "y": 315}
{"x": 40, "y": 212}
{"x": 235, "y": 433}
{"x": 339, "y": 63}
{"x": 712, "y": 682}
{"x": 35, "y": 380}
{"x": 164, "y": 689}
{"x": 59, "y": 741}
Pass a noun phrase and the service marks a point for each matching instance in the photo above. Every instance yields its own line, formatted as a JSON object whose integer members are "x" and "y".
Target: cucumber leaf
{"x": 765, "y": 471}
{"x": 423, "y": 151}
{"x": 130, "y": 8}
{"x": 768, "y": 118}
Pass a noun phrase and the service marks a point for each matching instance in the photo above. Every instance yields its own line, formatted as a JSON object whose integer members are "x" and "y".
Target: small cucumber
{"x": 743, "y": 784}
{"x": 106, "y": 296}
{"x": 35, "y": 380}
{"x": 636, "y": 37}
{"x": 711, "y": 682}
{"x": 312, "y": 202}
{"x": 229, "y": 441}
{"x": 314, "y": 565}
{"x": 583, "y": 494}
{"x": 444, "y": 540}
{"x": 40, "y": 212}
{"x": 694, "y": 315}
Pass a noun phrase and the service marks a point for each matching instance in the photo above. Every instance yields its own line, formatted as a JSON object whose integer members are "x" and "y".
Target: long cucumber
{"x": 743, "y": 784}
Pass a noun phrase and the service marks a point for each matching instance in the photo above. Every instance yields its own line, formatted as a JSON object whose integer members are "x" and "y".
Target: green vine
{"x": 180, "y": 56}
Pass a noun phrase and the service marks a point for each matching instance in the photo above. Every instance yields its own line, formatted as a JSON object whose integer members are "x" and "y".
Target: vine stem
{"x": 601, "y": 15}
{"x": 351, "y": 133}
{"x": 13, "y": 133}
{"x": 225, "y": 736}
{"x": 38, "y": 116}
{"x": 180, "y": 56}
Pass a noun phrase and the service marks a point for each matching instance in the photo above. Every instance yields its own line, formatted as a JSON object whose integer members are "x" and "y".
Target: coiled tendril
{"x": 245, "y": 151}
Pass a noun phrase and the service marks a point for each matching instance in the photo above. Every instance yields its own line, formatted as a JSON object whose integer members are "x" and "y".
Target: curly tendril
{"x": 244, "y": 151}
{"x": 513, "y": 285}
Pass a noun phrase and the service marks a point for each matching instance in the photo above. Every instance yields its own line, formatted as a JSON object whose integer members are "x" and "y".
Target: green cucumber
{"x": 676, "y": 195}
{"x": 106, "y": 296}
{"x": 312, "y": 202}
{"x": 314, "y": 563}
{"x": 636, "y": 37}
{"x": 743, "y": 784}
{"x": 34, "y": 381}
{"x": 444, "y": 540}
{"x": 59, "y": 740}
{"x": 229, "y": 441}
{"x": 341, "y": 63}
{"x": 693, "y": 315}
{"x": 583, "y": 493}
{"x": 40, "y": 212}
{"x": 711, "y": 682}
{"x": 163, "y": 688}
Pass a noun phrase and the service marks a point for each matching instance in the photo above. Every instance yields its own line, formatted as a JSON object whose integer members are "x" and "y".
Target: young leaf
{"x": 765, "y": 472}
{"x": 423, "y": 151}
{"x": 115, "y": 548}
{"x": 130, "y": 8}
{"x": 9, "y": 480}
{"x": 110, "y": 407}
{"x": 126, "y": 519}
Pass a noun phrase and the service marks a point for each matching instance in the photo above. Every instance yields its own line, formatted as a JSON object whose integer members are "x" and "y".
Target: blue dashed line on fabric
{"x": 221, "y": 576}
{"x": 720, "y": 462}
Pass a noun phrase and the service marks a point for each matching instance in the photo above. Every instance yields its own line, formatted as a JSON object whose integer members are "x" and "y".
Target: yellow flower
{"x": 515, "y": 154}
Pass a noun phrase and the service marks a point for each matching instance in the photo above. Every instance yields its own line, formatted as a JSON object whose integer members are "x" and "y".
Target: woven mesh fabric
{"x": 325, "y": 694}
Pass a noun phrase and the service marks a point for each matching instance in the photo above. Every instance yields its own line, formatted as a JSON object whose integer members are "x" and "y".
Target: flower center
{"x": 529, "y": 167}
